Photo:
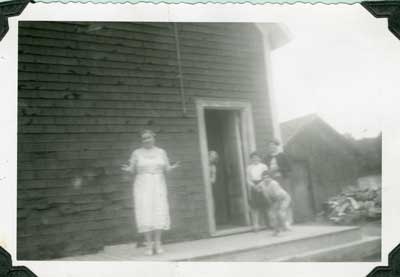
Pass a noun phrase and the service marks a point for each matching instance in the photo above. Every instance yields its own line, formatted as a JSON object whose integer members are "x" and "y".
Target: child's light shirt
{"x": 255, "y": 171}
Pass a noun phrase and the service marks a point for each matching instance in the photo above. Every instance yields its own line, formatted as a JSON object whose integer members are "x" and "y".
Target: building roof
{"x": 290, "y": 128}
{"x": 278, "y": 34}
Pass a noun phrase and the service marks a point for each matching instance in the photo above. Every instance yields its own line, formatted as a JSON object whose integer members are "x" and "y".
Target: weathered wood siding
{"x": 84, "y": 93}
{"x": 332, "y": 163}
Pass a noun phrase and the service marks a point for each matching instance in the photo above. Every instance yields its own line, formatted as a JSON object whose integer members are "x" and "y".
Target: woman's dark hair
{"x": 147, "y": 131}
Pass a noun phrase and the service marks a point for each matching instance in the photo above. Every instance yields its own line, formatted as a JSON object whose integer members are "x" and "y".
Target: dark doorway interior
{"x": 224, "y": 137}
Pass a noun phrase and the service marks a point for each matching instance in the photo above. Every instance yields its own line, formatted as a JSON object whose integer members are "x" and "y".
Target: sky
{"x": 338, "y": 65}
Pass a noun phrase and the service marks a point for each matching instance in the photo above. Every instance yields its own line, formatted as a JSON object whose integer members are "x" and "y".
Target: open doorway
{"x": 224, "y": 137}
{"x": 226, "y": 129}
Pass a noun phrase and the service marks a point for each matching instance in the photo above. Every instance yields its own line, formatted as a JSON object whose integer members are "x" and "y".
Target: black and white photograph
{"x": 185, "y": 141}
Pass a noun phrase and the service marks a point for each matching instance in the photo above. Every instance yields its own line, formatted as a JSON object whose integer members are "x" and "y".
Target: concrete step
{"x": 357, "y": 251}
{"x": 289, "y": 244}
{"x": 261, "y": 246}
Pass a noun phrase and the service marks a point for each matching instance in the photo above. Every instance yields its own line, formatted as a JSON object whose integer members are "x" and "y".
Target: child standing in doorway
{"x": 213, "y": 160}
{"x": 257, "y": 201}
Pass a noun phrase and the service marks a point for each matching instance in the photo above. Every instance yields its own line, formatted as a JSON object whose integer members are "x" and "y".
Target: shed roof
{"x": 290, "y": 128}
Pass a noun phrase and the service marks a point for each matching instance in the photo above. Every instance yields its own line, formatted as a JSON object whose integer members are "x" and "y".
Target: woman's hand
{"x": 126, "y": 167}
{"x": 175, "y": 165}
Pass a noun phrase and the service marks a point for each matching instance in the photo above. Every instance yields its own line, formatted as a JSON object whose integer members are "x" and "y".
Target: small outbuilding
{"x": 323, "y": 163}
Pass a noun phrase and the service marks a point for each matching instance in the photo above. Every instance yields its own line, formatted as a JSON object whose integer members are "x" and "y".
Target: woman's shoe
{"x": 149, "y": 249}
{"x": 256, "y": 228}
{"x": 159, "y": 249}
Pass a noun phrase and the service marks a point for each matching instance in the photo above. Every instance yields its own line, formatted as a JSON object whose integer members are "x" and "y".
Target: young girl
{"x": 257, "y": 201}
{"x": 213, "y": 160}
{"x": 279, "y": 200}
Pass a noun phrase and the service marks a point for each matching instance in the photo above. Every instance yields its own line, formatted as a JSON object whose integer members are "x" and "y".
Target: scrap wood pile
{"x": 354, "y": 204}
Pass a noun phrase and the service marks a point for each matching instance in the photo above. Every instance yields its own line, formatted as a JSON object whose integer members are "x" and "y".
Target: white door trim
{"x": 249, "y": 145}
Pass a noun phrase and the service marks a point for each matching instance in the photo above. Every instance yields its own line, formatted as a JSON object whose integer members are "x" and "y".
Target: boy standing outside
{"x": 257, "y": 201}
{"x": 280, "y": 167}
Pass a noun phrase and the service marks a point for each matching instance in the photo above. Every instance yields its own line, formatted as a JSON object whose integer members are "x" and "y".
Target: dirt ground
{"x": 372, "y": 228}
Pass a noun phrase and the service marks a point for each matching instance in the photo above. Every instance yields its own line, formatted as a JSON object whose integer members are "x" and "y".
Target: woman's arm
{"x": 130, "y": 167}
{"x": 168, "y": 166}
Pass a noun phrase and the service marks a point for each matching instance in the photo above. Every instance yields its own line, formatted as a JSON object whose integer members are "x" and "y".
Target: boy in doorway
{"x": 279, "y": 200}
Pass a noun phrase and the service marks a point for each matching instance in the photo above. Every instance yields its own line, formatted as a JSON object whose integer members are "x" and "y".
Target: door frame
{"x": 248, "y": 145}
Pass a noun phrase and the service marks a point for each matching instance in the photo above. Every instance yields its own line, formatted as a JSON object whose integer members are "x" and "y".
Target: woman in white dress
{"x": 149, "y": 165}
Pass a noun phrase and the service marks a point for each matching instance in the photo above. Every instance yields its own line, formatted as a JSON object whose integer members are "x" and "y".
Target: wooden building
{"x": 370, "y": 153}
{"x": 323, "y": 162}
{"x": 85, "y": 90}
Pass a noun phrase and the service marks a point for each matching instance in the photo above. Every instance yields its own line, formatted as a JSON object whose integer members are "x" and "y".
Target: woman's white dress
{"x": 149, "y": 189}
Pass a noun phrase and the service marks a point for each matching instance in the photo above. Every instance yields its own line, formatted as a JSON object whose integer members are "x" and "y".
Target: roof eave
{"x": 278, "y": 34}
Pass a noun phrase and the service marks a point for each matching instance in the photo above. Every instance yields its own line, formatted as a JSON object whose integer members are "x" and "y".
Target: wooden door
{"x": 229, "y": 192}
{"x": 235, "y": 169}
{"x": 220, "y": 195}
{"x": 234, "y": 118}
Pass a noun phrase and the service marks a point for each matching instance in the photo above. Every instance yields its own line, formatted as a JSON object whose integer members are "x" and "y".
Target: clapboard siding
{"x": 85, "y": 92}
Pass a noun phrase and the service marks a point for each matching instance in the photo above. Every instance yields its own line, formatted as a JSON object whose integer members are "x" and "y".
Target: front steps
{"x": 356, "y": 251}
{"x": 303, "y": 243}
